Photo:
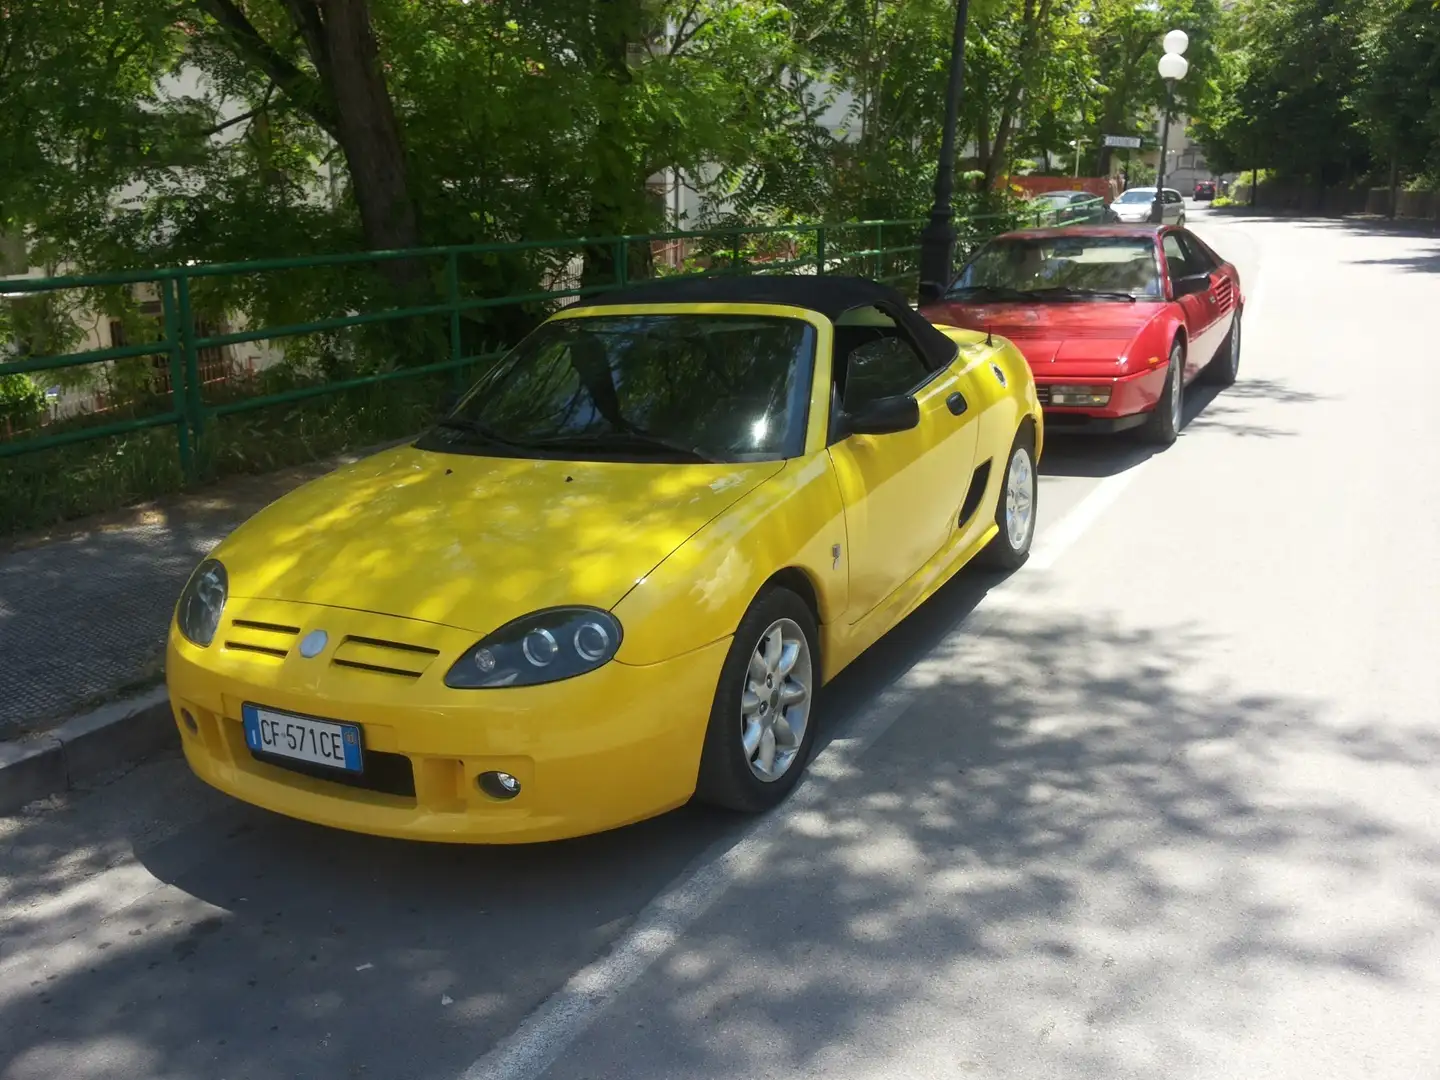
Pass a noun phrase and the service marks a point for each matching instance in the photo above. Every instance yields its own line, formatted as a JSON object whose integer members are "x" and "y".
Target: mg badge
{"x": 1000, "y": 375}
{"x": 314, "y": 644}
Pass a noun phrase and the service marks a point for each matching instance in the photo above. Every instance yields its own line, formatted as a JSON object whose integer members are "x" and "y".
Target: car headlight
{"x": 544, "y": 647}
{"x": 1091, "y": 396}
{"x": 202, "y": 602}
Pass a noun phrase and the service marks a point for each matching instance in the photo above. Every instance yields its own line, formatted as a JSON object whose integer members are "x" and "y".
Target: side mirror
{"x": 931, "y": 292}
{"x": 883, "y": 416}
{"x": 1191, "y": 285}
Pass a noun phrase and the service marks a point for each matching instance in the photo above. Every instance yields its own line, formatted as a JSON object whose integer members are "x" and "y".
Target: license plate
{"x": 319, "y": 742}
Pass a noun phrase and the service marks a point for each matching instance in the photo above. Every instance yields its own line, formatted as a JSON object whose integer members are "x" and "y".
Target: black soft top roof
{"x": 826, "y": 295}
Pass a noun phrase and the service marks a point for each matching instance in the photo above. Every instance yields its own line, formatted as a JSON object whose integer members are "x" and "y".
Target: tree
{"x": 1396, "y": 99}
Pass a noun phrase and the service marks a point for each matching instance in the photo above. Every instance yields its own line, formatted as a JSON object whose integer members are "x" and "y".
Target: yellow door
{"x": 902, "y": 492}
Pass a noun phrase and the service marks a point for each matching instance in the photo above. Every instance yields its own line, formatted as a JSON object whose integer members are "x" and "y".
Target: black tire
{"x": 1224, "y": 367}
{"x": 1007, "y": 551}
{"x": 727, "y": 778}
{"x": 1163, "y": 424}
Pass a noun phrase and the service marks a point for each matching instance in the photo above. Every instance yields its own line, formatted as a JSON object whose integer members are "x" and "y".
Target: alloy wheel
{"x": 775, "y": 705}
{"x": 1019, "y": 499}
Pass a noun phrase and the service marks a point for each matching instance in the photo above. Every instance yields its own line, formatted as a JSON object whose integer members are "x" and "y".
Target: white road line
{"x": 543, "y": 1036}
{"x": 1072, "y": 526}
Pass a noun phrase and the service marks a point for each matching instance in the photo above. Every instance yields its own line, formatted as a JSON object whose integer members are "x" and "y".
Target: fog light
{"x": 189, "y": 721}
{"x": 498, "y": 785}
{"x": 1090, "y": 396}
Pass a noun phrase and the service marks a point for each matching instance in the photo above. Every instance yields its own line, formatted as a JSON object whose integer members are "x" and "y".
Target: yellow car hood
{"x": 474, "y": 542}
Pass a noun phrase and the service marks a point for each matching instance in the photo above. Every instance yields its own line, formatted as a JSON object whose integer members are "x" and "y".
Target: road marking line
{"x": 548, "y": 1031}
{"x": 1072, "y": 526}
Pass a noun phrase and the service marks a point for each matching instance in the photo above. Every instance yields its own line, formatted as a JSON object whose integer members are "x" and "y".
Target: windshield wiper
{"x": 1066, "y": 292}
{"x": 606, "y": 440}
{"x": 479, "y": 431}
{"x": 997, "y": 291}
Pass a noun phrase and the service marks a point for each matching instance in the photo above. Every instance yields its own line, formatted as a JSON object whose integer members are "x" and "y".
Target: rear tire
{"x": 764, "y": 707}
{"x": 1015, "y": 507}
{"x": 1163, "y": 424}
{"x": 1224, "y": 368}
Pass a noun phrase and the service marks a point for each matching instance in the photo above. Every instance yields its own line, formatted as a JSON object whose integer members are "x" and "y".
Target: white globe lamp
{"x": 1176, "y": 42}
{"x": 1173, "y": 66}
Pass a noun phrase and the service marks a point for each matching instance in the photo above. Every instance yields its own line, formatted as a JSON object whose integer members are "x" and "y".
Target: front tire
{"x": 762, "y": 726}
{"x": 1015, "y": 508}
{"x": 1163, "y": 424}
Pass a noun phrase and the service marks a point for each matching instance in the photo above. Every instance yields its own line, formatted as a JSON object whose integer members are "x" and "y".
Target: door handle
{"x": 956, "y": 403}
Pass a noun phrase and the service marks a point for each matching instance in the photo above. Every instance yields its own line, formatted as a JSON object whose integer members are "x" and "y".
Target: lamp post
{"x": 1173, "y": 67}
{"x": 937, "y": 239}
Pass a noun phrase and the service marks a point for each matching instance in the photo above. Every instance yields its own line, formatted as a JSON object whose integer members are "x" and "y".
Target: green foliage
{"x": 535, "y": 120}
{"x": 21, "y": 400}
{"x": 1328, "y": 92}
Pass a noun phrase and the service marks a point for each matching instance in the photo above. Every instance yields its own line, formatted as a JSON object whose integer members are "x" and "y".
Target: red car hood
{"x": 1065, "y": 334}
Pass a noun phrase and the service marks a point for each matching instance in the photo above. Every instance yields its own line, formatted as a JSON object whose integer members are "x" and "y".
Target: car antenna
{"x": 989, "y": 337}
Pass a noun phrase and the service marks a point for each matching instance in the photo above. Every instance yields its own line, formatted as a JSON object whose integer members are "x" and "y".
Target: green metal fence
{"x": 881, "y": 250}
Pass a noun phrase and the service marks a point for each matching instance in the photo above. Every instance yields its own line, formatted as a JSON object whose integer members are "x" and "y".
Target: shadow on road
{"x": 1206, "y": 407}
{"x": 1055, "y": 859}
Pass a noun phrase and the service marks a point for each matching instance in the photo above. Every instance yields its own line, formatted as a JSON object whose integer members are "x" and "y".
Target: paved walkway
{"x": 84, "y": 612}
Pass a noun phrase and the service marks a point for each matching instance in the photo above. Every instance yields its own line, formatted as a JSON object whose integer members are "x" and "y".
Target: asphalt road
{"x": 1164, "y": 805}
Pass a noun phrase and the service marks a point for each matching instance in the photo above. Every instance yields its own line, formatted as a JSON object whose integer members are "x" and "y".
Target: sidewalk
{"x": 84, "y": 609}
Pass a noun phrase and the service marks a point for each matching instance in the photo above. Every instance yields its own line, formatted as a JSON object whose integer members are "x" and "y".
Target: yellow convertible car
{"x": 615, "y": 575}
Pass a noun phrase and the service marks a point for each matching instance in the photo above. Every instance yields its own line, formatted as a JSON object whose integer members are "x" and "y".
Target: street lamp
{"x": 1173, "y": 67}
{"x": 937, "y": 239}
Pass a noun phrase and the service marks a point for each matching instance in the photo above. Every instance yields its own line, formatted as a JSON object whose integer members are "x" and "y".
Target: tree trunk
{"x": 349, "y": 100}
{"x": 1032, "y": 19}
{"x": 1394, "y": 207}
{"x": 341, "y": 42}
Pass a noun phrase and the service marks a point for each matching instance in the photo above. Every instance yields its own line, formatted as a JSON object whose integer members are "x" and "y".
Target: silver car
{"x": 1133, "y": 206}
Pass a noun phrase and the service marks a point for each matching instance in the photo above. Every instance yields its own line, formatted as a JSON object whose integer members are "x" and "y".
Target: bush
{"x": 21, "y": 400}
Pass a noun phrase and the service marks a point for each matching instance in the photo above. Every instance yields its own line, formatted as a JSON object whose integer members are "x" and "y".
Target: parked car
{"x": 1114, "y": 321}
{"x": 1069, "y": 208}
{"x": 1134, "y": 205}
{"x": 616, "y": 574}
{"x": 1205, "y": 189}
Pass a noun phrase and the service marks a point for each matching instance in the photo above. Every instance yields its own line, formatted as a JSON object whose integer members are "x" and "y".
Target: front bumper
{"x": 592, "y": 753}
{"x": 1132, "y": 397}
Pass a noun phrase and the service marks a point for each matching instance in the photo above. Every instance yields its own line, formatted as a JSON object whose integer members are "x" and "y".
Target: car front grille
{"x": 260, "y": 638}
{"x": 396, "y": 659}
{"x": 1043, "y": 393}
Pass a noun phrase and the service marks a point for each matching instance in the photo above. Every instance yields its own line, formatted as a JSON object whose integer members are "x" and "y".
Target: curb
{"x": 85, "y": 748}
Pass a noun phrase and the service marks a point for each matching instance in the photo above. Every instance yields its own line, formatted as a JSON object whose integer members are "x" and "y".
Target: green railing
{"x": 867, "y": 248}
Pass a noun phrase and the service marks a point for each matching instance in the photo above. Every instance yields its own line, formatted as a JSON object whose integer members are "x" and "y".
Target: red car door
{"x": 1190, "y": 288}
{"x": 1223, "y": 293}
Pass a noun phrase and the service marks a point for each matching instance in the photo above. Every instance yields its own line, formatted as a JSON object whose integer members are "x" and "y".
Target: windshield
{"x": 643, "y": 387}
{"x": 1137, "y": 195}
{"x": 1059, "y": 266}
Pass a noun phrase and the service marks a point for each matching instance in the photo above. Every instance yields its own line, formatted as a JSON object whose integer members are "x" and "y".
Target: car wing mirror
{"x": 883, "y": 416}
{"x": 931, "y": 292}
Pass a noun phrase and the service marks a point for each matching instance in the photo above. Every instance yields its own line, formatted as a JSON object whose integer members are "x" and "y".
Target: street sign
{"x": 1131, "y": 142}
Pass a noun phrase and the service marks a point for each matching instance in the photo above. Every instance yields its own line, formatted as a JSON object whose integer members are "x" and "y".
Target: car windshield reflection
{"x": 654, "y": 387}
{"x": 1061, "y": 267}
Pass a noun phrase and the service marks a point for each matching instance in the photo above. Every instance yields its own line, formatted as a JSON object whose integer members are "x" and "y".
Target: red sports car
{"x": 1115, "y": 320}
